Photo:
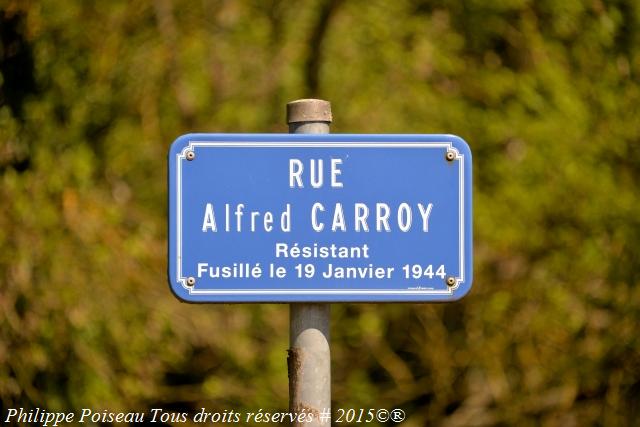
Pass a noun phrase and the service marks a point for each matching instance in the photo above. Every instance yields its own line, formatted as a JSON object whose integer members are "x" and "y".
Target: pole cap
{"x": 309, "y": 110}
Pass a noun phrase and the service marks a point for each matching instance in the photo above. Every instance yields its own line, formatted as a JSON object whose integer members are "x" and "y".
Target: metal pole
{"x": 309, "y": 355}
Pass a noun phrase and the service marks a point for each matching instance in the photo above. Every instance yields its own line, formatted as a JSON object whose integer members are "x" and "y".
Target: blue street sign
{"x": 319, "y": 218}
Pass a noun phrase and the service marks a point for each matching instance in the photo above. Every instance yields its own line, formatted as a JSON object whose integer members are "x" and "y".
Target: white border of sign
{"x": 238, "y": 144}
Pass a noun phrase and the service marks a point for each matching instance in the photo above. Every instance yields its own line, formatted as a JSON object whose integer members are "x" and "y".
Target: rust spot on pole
{"x": 302, "y": 408}
{"x": 294, "y": 367}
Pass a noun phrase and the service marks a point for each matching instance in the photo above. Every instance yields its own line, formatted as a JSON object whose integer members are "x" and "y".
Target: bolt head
{"x": 191, "y": 281}
{"x": 451, "y": 281}
{"x": 450, "y": 156}
{"x": 190, "y": 155}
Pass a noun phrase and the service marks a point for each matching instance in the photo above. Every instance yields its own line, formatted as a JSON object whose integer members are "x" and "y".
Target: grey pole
{"x": 309, "y": 359}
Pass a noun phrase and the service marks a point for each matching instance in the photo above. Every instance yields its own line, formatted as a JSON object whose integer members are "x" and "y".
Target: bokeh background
{"x": 546, "y": 93}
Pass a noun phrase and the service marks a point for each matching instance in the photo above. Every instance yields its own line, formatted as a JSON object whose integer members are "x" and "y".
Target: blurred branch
{"x": 167, "y": 27}
{"x": 316, "y": 39}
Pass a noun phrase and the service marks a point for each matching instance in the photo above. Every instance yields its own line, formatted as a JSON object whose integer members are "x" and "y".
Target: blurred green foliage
{"x": 547, "y": 94}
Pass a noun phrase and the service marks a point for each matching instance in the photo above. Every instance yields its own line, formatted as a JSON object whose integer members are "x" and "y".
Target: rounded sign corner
{"x": 180, "y": 143}
{"x": 179, "y": 292}
{"x": 460, "y": 144}
{"x": 462, "y": 291}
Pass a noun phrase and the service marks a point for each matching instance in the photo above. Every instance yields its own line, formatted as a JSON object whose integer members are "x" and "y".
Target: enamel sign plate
{"x": 319, "y": 218}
